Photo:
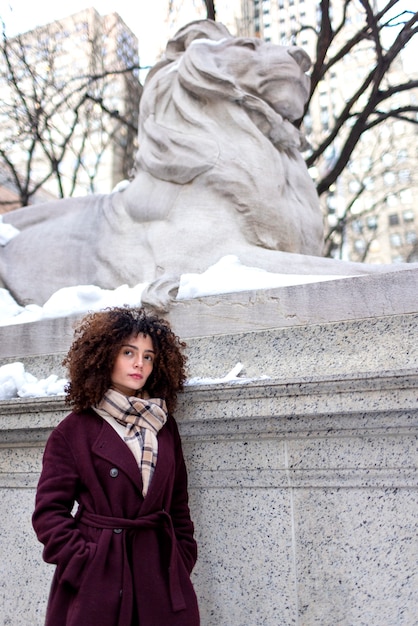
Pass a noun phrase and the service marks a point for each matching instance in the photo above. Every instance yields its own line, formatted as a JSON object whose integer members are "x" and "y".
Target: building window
{"x": 354, "y": 186}
{"x": 372, "y": 222}
{"x": 408, "y": 216}
{"x": 404, "y": 176}
{"x": 389, "y": 178}
{"x": 331, "y": 202}
{"x": 359, "y": 245}
{"x": 393, "y": 219}
{"x": 406, "y": 196}
{"x": 411, "y": 237}
{"x": 395, "y": 240}
{"x": 391, "y": 199}
{"x": 358, "y": 226}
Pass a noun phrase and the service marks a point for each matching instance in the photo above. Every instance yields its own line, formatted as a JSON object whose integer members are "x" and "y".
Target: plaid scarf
{"x": 142, "y": 420}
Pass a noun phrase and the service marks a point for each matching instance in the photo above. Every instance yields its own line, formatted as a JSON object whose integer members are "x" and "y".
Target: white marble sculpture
{"x": 219, "y": 171}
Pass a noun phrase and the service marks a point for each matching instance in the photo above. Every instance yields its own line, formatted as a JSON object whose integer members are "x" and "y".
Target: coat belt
{"x": 157, "y": 519}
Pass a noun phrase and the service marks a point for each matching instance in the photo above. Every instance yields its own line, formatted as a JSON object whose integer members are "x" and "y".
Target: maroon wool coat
{"x": 120, "y": 550}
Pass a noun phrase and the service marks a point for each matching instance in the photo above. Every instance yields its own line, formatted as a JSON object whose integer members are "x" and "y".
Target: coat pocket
{"x": 97, "y": 600}
{"x": 71, "y": 572}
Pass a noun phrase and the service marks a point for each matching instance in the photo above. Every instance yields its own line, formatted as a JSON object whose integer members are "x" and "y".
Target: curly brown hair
{"x": 98, "y": 339}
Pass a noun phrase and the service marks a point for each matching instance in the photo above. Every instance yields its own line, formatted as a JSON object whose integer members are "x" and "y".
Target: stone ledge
{"x": 332, "y": 478}
{"x": 334, "y": 349}
{"x": 295, "y": 406}
{"x": 353, "y": 298}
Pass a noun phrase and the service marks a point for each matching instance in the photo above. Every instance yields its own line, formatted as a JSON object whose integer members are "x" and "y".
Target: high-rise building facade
{"x": 83, "y": 90}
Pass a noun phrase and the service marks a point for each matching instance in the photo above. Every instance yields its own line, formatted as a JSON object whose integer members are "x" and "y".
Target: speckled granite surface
{"x": 305, "y": 500}
{"x": 303, "y": 484}
{"x": 297, "y": 352}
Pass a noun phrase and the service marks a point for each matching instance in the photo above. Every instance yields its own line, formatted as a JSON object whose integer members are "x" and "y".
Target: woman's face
{"x": 133, "y": 364}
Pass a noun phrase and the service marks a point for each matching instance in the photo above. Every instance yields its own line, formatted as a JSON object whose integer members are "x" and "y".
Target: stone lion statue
{"x": 219, "y": 171}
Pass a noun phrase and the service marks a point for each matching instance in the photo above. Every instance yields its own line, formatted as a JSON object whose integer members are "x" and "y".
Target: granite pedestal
{"x": 303, "y": 474}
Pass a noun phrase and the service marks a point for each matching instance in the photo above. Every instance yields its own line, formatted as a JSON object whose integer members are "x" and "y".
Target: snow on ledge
{"x": 228, "y": 275}
{"x": 15, "y": 382}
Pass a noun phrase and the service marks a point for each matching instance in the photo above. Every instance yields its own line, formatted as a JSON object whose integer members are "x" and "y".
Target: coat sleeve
{"x": 52, "y": 519}
{"x": 180, "y": 512}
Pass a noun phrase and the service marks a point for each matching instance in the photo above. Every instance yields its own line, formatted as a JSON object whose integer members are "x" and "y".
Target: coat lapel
{"x": 110, "y": 446}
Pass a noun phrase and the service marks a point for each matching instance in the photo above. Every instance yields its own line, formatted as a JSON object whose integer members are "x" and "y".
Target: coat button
{"x": 114, "y": 472}
{"x": 117, "y": 531}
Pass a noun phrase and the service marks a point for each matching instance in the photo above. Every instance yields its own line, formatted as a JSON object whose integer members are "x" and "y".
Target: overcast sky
{"x": 146, "y": 18}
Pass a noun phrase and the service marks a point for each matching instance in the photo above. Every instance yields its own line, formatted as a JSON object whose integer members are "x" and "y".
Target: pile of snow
{"x": 67, "y": 301}
{"x": 231, "y": 377}
{"x": 226, "y": 276}
{"x": 15, "y": 381}
{"x": 229, "y": 275}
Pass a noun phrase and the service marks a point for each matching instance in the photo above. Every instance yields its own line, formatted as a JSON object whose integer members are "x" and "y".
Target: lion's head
{"x": 206, "y": 62}
{"x": 241, "y": 67}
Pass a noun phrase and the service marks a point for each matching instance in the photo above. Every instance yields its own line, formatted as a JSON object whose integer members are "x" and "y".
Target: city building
{"x": 84, "y": 89}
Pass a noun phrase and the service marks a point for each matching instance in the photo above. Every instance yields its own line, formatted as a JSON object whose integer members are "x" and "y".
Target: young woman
{"x": 124, "y": 553}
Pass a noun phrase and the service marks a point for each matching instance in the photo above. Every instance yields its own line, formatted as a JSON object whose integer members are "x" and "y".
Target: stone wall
{"x": 303, "y": 477}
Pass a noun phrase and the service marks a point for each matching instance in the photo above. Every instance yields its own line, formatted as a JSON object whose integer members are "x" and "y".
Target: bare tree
{"x": 373, "y": 100}
{"x": 375, "y": 115}
{"x": 210, "y": 9}
{"x": 58, "y": 118}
